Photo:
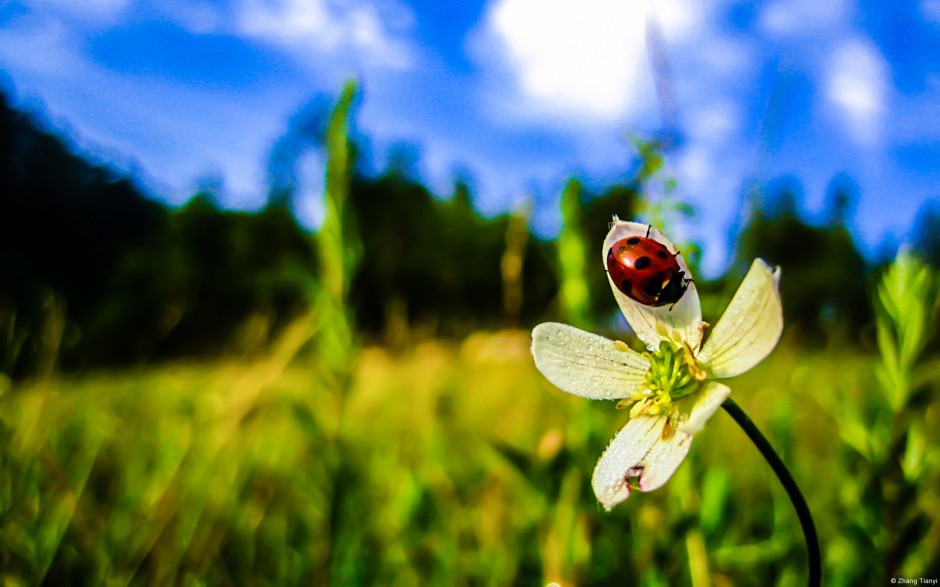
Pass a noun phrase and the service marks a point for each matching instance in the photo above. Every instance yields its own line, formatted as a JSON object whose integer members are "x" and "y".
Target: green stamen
{"x": 671, "y": 376}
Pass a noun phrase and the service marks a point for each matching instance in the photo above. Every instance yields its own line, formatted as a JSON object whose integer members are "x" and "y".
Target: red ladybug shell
{"x": 645, "y": 270}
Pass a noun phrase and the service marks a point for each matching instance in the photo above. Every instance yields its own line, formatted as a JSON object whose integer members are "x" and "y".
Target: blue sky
{"x": 517, "y": 94}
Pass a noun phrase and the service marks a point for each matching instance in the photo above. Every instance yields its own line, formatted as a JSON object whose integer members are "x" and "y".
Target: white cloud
{"x": 309, "y": 205}
{"x": 199, "y": 17}
{"x": 576, "y": 60}
{"x": 856, "y": 80}
{"x": 89, "y": 10}
{"x": 931, "y": 10}
{"x": 586, "y": 66}
{"x": 789, "y": 17}
{"x": 375, "y": 32}
{"x": 44, "y": 48}
{"x": 715, "y": 122}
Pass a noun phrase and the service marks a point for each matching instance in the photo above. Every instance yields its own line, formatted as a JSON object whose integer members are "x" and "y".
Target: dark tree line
{"x": 825, "y": 285}
{"x": 96, "y": 274}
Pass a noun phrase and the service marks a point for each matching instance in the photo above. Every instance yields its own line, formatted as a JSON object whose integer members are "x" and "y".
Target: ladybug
{"x": 645, "y": 271}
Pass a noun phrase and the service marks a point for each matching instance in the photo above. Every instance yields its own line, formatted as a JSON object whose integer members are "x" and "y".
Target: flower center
{"x": 671, "y": 371}
{"x": 673, "y": 374}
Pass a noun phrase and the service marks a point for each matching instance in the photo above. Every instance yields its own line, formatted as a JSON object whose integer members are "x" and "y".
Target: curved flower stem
{"x": 793, "y": 491}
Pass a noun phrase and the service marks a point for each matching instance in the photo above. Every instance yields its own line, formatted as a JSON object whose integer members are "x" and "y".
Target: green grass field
{"x": 445, "y": 464}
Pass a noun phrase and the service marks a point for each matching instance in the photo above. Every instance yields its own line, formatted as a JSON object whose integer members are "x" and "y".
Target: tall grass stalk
{"x": 511, "y": 262}
{"x": 572, "y": 253}
{"x": 338, "y": 248}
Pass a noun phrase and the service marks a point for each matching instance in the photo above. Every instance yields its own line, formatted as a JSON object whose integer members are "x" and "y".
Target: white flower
{"x": 669, "y": 389}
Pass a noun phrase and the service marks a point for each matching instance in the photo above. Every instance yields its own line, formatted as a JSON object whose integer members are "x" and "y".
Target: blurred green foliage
{"x": 449, "y": 464}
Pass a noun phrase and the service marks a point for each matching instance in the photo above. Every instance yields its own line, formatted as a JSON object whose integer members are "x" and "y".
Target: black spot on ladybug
{"x": 662, "y": 254}
{"x": 642, "y": 263}
{"x": 633, "y": 241}
{"x": 652, "y": 289}
{"x": 626, "y": 286}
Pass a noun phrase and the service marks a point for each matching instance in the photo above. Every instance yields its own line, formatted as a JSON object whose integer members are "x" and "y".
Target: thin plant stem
{"x": 793, "y": 490}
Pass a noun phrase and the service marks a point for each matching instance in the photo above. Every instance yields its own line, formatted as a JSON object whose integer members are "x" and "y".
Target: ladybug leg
{"x": 649, "y": 227}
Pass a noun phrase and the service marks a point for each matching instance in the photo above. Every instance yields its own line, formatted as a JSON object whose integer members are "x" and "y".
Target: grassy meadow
{"x": 445, "y": 463}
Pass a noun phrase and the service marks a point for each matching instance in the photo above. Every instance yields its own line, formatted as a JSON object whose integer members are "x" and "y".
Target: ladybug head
{"x": 673, "y": 290}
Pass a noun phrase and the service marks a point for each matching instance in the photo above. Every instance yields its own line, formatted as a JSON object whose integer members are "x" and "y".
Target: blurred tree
{"x": 428, "y": 261}
{"x": 211, "y": 282}
{"x": 100, "y": 275}
{"x": 64, "y": 225}
{"x": 396, "y": 278}
{"x": 436, "y": 263}
{"x": 824, "y": 275}
{"x": 926, "y": 233}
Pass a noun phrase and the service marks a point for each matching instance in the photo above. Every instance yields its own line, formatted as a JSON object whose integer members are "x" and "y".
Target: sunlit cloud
{"x": 793, "y": 17}
{"x": 88, "y": 10}
{"x": 308, "y": 204}
{"x": 199, "y": 17}
{"x": 715, "y": 122}
{"x": 586, "y": 67}
{"x": 580, "y": 60}
{"x": 931, "y": 10}
{"x": 43, "y": 47}
{"x": 364, "y": 32}
{"x": 376, "y": 32}
{"x": 856, "y": 85}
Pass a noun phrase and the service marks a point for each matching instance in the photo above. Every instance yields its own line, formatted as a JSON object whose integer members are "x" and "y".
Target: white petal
{"x": 697, "y": 408}
{"x": 750, "y": 327}
{"x": 586, "y": 364}
{"x": 680, "y": 322}
{"x": 638, "y": 451}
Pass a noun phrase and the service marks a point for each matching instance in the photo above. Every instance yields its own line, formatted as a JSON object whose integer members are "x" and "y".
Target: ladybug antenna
{"x": 649, "y": 227}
